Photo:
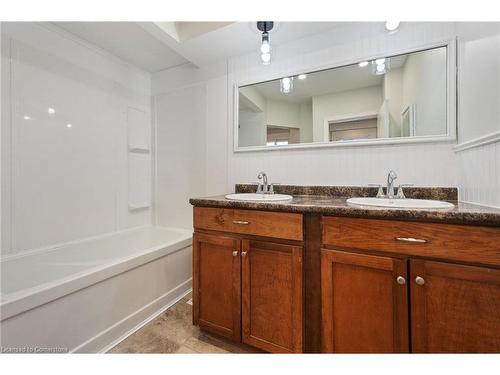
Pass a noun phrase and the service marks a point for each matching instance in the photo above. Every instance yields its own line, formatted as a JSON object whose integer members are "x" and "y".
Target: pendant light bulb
{"x": 266, "y": 58}
{"x": 286, "y": 85}
{"x": 265, "y": 47}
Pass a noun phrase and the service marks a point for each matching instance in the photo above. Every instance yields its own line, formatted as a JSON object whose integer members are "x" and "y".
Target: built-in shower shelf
{"x": 140, "y": 149}
{"x": 138, "y": 206}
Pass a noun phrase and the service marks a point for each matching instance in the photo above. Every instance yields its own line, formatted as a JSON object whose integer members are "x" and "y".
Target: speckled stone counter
{"x": 331, "y": 200}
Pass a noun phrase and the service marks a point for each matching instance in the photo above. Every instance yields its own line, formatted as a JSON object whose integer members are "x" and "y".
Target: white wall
{"x": 343, "y": 104}
{"x": 393, "y": 93}
{"x": 252, "y": 128}
{"x": 342, "y": 166}
{"x": 259, "y": 112}
{"x": 424, "y": 85}
{"x": 282, "y": 113}
{"x": 253, "y": 97}
{"x": 305, "y": 122}
{"x": 58, "y": 183}
{"x": 181, "y": 144}
{"x": 252, "y": 117}
{"x": 479, "y": 94}
{"x": 478, "y": 151}
{"x": 434, "y": 164}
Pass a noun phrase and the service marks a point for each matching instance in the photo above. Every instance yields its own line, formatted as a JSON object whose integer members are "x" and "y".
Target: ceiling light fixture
{"x": 51, "y": 111}
{"x": 381, "y": 66}
{"x": 363, "y": 64}
{"x": 265, "y": 47}
{"x": 302, "y": 76}
{"x": 392, "y": 25}
{"x": 286, "y": 85}
{"x": 26, "y": 117}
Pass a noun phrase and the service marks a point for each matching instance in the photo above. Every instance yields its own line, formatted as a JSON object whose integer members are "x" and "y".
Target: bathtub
{"x": 86, "y": 296}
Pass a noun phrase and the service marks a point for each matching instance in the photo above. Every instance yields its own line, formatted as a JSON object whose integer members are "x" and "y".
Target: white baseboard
{"x": 113, "y": 335}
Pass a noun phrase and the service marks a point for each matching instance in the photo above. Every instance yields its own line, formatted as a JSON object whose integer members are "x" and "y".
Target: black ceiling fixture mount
{"x": 265, "y": 26}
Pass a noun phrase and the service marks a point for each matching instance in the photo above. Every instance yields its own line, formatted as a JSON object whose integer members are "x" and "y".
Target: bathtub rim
{"x": 30, "y": 298}
{"x": 57, "y": 246}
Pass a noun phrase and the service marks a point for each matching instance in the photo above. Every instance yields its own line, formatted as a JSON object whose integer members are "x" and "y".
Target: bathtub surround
{"x": 78, "y": 219}
{"x": 67, "y": 169}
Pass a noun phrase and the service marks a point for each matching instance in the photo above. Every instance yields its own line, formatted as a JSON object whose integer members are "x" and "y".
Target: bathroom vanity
{"x": 314, "y": 274}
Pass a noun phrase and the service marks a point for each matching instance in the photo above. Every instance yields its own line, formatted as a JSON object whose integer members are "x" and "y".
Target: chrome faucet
{"x": 389, "y": 192}
{"x": 264, "y": 187}
{"x": 390, "y": 184}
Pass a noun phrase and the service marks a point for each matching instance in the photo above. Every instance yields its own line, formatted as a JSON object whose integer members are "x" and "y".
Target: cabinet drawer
{"x": 259, "y": 223}
{"x": 445, "y": 241}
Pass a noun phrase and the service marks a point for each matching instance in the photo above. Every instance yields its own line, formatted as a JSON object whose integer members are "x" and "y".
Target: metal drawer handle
{"x": 243, "y": 253}
{"x": 410, "y": 240}
{"x": 401, "y": 280}
{"x": 241, "y": 222}
{"x": 235, "y": 253}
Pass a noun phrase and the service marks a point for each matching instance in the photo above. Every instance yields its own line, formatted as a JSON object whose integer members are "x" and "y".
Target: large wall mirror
{"x": 401, "y": 98}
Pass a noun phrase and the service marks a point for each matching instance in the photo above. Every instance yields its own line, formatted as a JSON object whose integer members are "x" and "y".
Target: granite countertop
{"x": 331, "y": 202}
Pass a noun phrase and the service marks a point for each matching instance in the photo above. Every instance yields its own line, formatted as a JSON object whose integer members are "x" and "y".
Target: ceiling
{"x": 128, "y": 41}
{"x": 155, "y": 46}
{"x": 329, "y": 81}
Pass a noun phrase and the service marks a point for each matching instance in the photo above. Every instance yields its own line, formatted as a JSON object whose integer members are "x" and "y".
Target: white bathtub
{"x": 85, "y": 296}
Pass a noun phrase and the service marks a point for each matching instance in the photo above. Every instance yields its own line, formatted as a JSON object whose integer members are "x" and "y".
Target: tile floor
{"x": 173, "y": 332}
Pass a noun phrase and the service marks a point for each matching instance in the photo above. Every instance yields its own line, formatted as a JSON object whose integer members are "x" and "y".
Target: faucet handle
{"x": 259, "y": 188}
{"x": 380, "y": 192}
{"x": 271, "y": 187}
{"x": 400, "y": 194}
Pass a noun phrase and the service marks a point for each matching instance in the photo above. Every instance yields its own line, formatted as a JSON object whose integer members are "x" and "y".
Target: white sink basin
{"x": 399, "y": 203}
{"x": 252, "y": 197}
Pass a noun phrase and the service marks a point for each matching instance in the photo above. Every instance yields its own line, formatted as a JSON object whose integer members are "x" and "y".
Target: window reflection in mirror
{"x": 392, "y": 97}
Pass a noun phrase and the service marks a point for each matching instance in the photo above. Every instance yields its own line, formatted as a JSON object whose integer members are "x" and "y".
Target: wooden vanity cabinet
{"x": 371, "y": 286}
{"x": 365, "y": 303}
{"x": 216, "y": 284}
{"x": 247, "y": 285}
{"x": 272, "y": 296}
{"x": 454, "y": 308}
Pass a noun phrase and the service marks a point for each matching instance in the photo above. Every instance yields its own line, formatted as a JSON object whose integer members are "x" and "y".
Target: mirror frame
{"x": 451, "y": 104}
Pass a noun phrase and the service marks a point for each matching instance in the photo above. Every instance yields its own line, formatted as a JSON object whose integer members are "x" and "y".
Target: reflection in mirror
{"x": 393, "y": 97}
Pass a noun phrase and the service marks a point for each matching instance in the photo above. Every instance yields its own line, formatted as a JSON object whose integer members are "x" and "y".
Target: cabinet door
{"x": 217, "y": 284}
{"x": 454, "y": 308}
{"x": 272, "y": 296}
{"x": 364, "y": 303}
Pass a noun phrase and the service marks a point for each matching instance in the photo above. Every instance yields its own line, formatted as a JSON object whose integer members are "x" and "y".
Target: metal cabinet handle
{"x": 410, "y": 240}
{"x": 401, "y": 280}
{"x": 419, "y": 280}
{"x": 235, "y": 253}
{"x": 243, "y": 253}
{"x": 241, "y": 222}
